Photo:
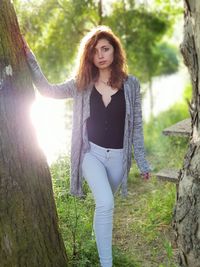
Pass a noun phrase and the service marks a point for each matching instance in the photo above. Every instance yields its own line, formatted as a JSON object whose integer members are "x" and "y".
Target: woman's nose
{"x": 100, "y": 55}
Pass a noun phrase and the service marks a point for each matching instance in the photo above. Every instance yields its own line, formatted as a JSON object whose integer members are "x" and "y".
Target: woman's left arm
{"x": 138, "y": 136}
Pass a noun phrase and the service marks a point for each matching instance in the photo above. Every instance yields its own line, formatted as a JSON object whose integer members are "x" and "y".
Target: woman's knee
{"x": 105, "y": 204}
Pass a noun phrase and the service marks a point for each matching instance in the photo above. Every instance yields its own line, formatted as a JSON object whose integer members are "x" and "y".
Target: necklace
{"x": 106, "y": 83}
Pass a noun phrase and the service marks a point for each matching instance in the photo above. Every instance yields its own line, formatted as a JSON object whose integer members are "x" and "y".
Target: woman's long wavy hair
{"x": 87, "y": 72}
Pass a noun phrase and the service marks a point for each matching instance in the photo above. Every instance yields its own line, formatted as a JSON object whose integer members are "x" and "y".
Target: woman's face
{"x": 104, "y": 54}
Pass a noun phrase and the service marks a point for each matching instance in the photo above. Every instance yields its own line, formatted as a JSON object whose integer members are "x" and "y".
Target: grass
{"x": 145, "y": 217}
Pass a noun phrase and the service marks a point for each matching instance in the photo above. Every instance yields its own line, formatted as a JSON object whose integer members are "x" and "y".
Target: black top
{"x": 105, "y": 125}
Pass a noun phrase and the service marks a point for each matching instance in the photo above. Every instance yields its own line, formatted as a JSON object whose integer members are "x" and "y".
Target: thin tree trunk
{"x": 29, "y": 234}
{"x": 187, "y": 210}
{"x": 100, "y": 12}
{"x": 151, "y": 97}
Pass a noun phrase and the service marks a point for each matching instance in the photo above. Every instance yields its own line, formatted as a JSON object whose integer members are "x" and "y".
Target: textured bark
{"x": 187, "y": 210}
{"x": 29, "y": 234}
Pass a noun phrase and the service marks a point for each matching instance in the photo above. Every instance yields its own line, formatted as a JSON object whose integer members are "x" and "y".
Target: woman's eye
{"x": 105, "y": 49}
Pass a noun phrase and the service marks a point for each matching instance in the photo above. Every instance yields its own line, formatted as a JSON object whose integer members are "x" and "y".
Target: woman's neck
{"x": 104, "y": 75}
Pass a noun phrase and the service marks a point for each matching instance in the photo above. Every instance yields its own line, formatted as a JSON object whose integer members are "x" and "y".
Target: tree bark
{"x": 29, "y": 234}
{"x": 187, "y": 210}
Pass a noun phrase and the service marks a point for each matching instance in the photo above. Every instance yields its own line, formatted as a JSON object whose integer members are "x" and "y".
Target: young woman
{"x": 107, "y": 122}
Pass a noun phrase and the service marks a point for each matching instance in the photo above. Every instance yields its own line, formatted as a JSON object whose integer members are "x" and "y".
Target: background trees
{"x": 54, "y": 29}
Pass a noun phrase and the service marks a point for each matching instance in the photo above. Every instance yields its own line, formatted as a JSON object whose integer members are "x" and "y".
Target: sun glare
{"x": 49, "y": 121}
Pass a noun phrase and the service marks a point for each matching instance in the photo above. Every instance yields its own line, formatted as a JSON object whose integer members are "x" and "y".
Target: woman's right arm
{"x": 60, "y": 91}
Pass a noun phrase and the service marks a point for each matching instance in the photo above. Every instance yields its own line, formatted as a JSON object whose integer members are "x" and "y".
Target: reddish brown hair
{"x": 87, "y": 72}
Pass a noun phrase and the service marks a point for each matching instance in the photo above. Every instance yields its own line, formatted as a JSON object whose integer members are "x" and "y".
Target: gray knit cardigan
{"x": 133, "y": 132}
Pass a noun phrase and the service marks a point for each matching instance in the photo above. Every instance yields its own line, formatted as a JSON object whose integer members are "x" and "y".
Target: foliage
{"x": 158, "y": 145}
{"x": 172, "y": 7}
{"x": 187, "y": 95}
{"x": 54, "y": 29}
{"x": 141, "y": 32}
{"x": 167, "y": 59}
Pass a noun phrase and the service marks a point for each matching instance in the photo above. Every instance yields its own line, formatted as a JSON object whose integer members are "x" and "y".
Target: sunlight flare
{"x": 48, "y": 117}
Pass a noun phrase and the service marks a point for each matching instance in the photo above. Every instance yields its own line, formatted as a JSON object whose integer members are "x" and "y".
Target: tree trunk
{"x": 151, "y": 97}
{"x": 187, "y": 210}
{"x": 29, "y": 234}
{"x": 100, "y": 12}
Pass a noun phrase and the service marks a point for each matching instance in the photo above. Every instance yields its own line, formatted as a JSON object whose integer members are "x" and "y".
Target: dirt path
{"x": 130, "y": 239}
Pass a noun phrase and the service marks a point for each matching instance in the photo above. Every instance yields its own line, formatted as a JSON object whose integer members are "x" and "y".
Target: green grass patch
{"x": 154, "y": 209}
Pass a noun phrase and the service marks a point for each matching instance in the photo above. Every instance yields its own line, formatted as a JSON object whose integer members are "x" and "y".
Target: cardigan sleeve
{"x": 138, "y": 136}
{"x": 60, "y": 91}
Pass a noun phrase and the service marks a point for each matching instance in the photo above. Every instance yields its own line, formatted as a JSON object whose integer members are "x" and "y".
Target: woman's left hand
{"x": 146, "y": 176}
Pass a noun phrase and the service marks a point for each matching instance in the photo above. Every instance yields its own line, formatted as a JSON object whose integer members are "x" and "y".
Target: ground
{"x": 156, "y": 248}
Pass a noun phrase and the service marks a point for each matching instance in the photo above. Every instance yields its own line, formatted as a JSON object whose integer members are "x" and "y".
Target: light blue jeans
{"x": 102, "y": 169}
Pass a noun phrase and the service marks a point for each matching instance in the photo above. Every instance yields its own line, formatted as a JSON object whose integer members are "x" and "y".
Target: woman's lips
{"x": 102, "y": 62}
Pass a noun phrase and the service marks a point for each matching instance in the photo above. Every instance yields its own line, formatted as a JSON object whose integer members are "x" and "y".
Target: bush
{"x": 165, "y": 150}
